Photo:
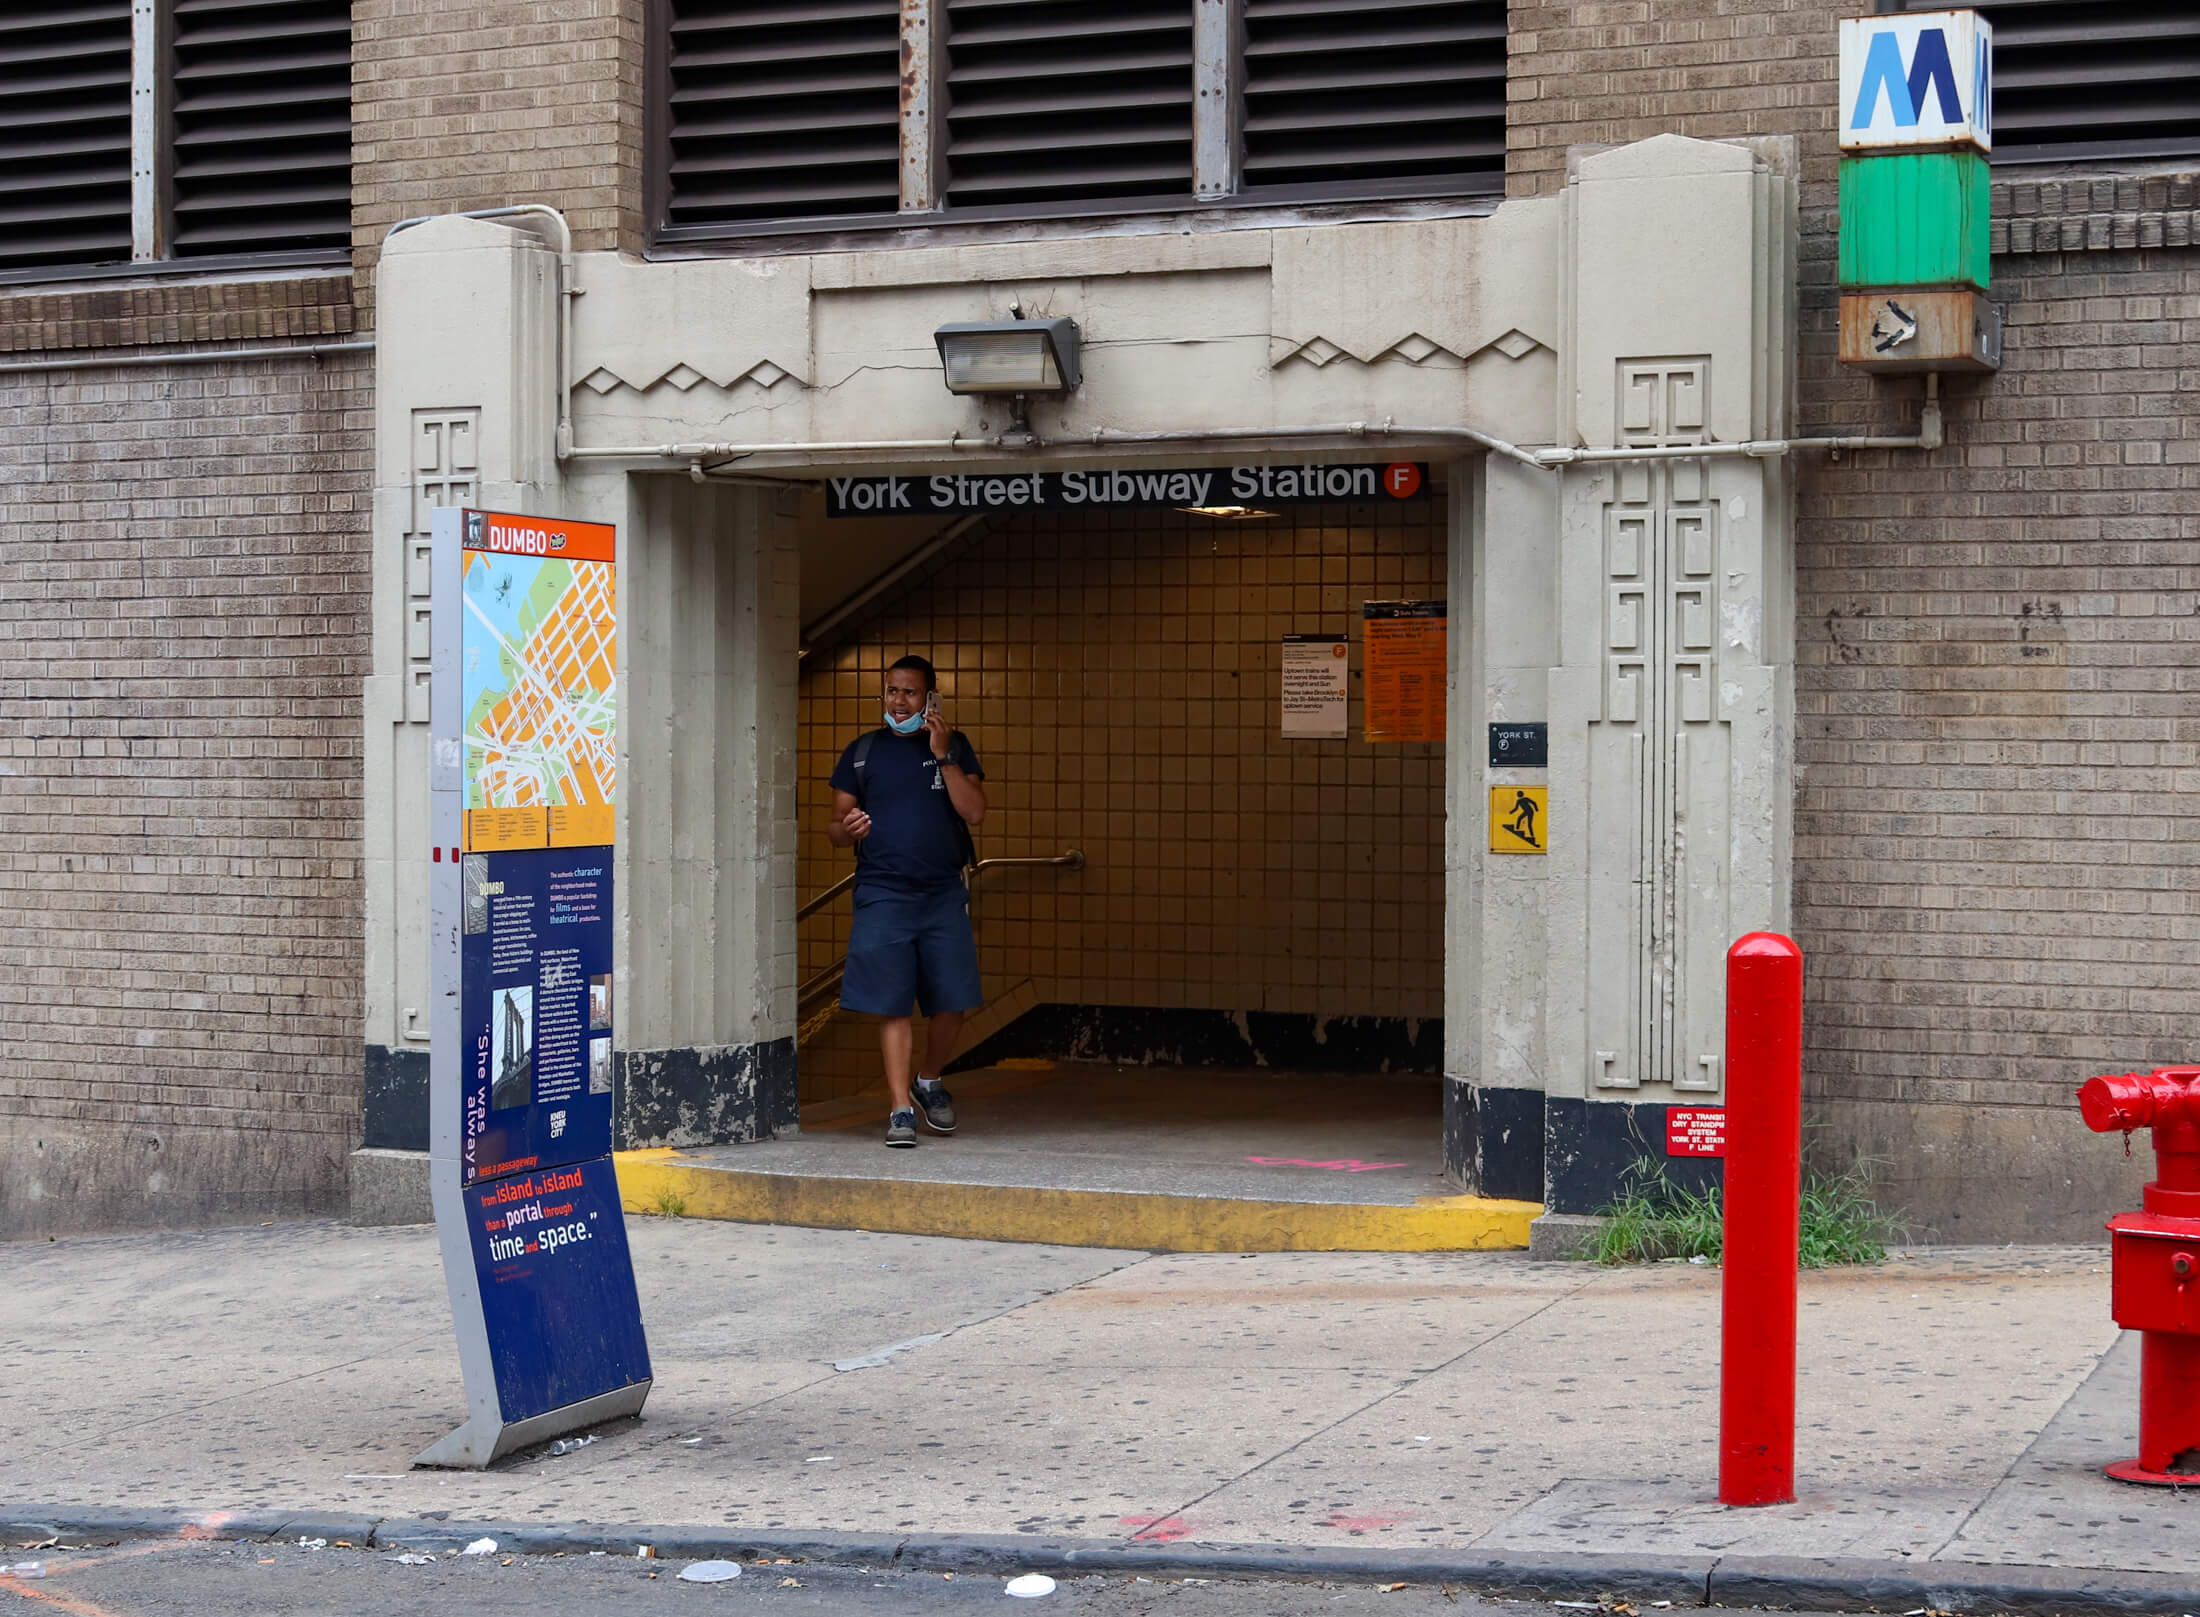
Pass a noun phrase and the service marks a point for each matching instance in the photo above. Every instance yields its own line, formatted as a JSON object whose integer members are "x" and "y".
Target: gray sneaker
{"x": 938, "y": 1107}
{"x": 901, "y": 1127}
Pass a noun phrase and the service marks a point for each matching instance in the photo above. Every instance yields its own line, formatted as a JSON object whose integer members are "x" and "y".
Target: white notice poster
{"x": 1314, "y": 671}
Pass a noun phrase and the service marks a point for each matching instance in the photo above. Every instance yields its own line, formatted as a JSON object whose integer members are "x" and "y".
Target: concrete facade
{"x": 1925, "y": 709}
{"x": 1625, "y": 602}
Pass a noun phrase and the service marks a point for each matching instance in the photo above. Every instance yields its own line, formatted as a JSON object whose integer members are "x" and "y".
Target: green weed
{"x": 1653, "y": 1218}
{"x": 671, "y": 1204}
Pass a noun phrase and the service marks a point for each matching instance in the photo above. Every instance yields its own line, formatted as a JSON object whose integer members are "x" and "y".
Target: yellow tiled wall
{"x": 1118, "y": 676}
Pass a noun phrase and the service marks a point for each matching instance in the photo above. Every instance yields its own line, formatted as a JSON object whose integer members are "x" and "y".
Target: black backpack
{"x": 962, "y": 826}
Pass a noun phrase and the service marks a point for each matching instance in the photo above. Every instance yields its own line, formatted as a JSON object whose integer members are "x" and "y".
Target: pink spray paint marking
{"x": 1339, "y": 1165}
{"x": 1158, "y": 1529}
{"x": 1344, "y": 1523}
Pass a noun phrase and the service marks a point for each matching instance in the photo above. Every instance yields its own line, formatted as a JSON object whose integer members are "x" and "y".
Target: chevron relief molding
{"x": 1412, "y": 349}
{"x": 763, "y": 374}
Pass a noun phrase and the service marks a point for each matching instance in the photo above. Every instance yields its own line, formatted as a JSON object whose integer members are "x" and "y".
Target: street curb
{"x": 1775, "y": 1582}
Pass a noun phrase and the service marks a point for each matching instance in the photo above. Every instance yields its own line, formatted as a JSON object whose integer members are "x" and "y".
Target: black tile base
{"x": 396, "y": 1104}
{"x": 1590, "y": 1145}
{"x": 1493, "y": 1140}
{"x": 710, "y": 1096}
{"x": 1155, "y": 1036}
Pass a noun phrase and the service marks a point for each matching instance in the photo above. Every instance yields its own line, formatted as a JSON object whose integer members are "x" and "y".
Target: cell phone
{"x": 931, "y": 702}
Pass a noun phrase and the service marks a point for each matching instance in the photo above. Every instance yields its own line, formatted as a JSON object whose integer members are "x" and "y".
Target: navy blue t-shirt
{"x": 913, "y": 846}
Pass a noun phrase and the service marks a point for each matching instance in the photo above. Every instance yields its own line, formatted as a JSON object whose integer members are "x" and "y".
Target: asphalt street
{"x": 187, "y": 1578}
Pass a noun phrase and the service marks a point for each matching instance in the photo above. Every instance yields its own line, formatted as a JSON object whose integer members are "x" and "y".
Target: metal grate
{"x": 783, "y": 109}
{"x": 1053, "y": 101}
{"x": 64, "y": 132}
{"x": 1376, "y": 91}
{"x": 2078, "y": 79}
{"x": 262, "y": 126}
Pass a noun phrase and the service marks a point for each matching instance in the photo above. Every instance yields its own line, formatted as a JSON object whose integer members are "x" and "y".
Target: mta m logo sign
{"x": 1922, "y": 78}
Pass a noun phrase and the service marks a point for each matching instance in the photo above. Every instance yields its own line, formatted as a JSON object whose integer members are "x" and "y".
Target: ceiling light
{"x": 1233, "y": 513}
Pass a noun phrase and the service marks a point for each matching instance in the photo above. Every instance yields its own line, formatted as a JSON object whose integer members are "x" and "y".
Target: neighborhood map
{"x": 541, "y": 702}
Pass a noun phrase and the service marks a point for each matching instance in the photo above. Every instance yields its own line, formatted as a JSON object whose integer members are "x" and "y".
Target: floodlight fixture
{"x": 1009, "y": 356}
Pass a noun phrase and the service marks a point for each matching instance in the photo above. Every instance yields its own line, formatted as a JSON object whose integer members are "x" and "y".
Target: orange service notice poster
{"x": 1404, "y": 669}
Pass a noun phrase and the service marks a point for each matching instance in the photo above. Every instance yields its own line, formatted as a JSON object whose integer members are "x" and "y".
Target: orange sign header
{"x": 553, "y": 538}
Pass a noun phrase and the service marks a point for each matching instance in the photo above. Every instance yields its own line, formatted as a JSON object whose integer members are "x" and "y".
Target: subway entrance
{"x": 1211, "y": 934}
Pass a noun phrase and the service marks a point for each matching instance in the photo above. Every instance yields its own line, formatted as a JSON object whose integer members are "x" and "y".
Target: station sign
{"x": 1917, "y": 79}
{"x": 1520, "y": 746}
{"x": 948, "y": 493}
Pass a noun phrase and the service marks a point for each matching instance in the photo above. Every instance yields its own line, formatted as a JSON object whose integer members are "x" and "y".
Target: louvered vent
{"x": 1375, "y": 91}
{"x": 262, "y": 124}
{"x": 2095, "y": 78}
{"x": 783, "y": 109}
{"x": 1053, "y": 101}
{"x": 64, "y": 132}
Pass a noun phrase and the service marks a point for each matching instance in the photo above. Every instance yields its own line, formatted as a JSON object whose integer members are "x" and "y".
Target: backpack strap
{"x": 862, "y": 758}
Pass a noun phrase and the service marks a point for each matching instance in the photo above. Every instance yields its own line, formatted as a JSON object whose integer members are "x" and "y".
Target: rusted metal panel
{"x": 920, "y": 189}
{"x": 1217, "y": 61}
{"x": 1895, "y": 329}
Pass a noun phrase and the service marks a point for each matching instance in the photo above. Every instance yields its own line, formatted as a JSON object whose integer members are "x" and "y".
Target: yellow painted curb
{"x": 658, "y": 1181}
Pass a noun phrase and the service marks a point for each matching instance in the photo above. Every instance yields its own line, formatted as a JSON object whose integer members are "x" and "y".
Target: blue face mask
{"x": 905, "y": 727}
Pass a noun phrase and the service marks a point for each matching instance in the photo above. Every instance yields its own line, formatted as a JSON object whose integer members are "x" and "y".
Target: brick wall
{"x": 1993, "y": 874}
{"x": 176, "y": 311}
{"x": 480, "y": 106}
{"x": 1999, "y": 746}
{"x": 183, "y": 578}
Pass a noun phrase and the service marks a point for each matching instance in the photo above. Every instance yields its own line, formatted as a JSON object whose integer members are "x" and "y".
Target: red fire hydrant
{"x": 2156, "y": 1286}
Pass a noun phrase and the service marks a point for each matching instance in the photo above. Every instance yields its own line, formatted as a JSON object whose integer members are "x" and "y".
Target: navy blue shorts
{"x": 905, "y": 947}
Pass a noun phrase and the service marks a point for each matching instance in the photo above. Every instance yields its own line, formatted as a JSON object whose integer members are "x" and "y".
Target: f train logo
{"x": 1921, "y": 79}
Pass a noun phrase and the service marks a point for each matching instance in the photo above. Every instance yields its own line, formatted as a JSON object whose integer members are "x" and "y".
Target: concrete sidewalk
{"x": 1956, "y": 1404}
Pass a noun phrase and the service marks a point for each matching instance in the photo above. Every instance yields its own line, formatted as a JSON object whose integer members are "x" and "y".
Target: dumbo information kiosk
{"x": 522, "y": 788}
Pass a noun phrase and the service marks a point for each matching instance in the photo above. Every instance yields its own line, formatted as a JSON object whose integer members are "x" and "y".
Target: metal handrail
{"x": 826, "y": 897}
{"x": 1074, "y": 860}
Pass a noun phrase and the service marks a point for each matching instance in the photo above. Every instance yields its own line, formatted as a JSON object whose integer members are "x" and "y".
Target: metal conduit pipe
{"x": 562, "y": 442}
{"x": 703, "y": 452}
{"x": 1932, "y": 433}
{"x": 194, "y": 356}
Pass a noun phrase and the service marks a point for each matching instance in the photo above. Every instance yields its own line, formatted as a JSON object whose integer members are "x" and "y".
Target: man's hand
{"x": 849, "y": 824}
{"x": 935, "y": 726}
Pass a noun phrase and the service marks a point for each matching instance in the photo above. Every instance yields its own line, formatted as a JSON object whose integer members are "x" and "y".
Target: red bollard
{"x": 1764, "y": 1197}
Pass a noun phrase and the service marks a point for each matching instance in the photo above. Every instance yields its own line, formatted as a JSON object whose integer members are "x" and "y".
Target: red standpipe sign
{"x": 1695, "y": 1131}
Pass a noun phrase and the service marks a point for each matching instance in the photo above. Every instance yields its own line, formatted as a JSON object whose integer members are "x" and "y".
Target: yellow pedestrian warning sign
{"x": 1518, "y": 815}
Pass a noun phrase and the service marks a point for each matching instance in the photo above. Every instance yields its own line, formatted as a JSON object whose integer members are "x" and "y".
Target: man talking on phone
{"x": 905, "y": 798}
